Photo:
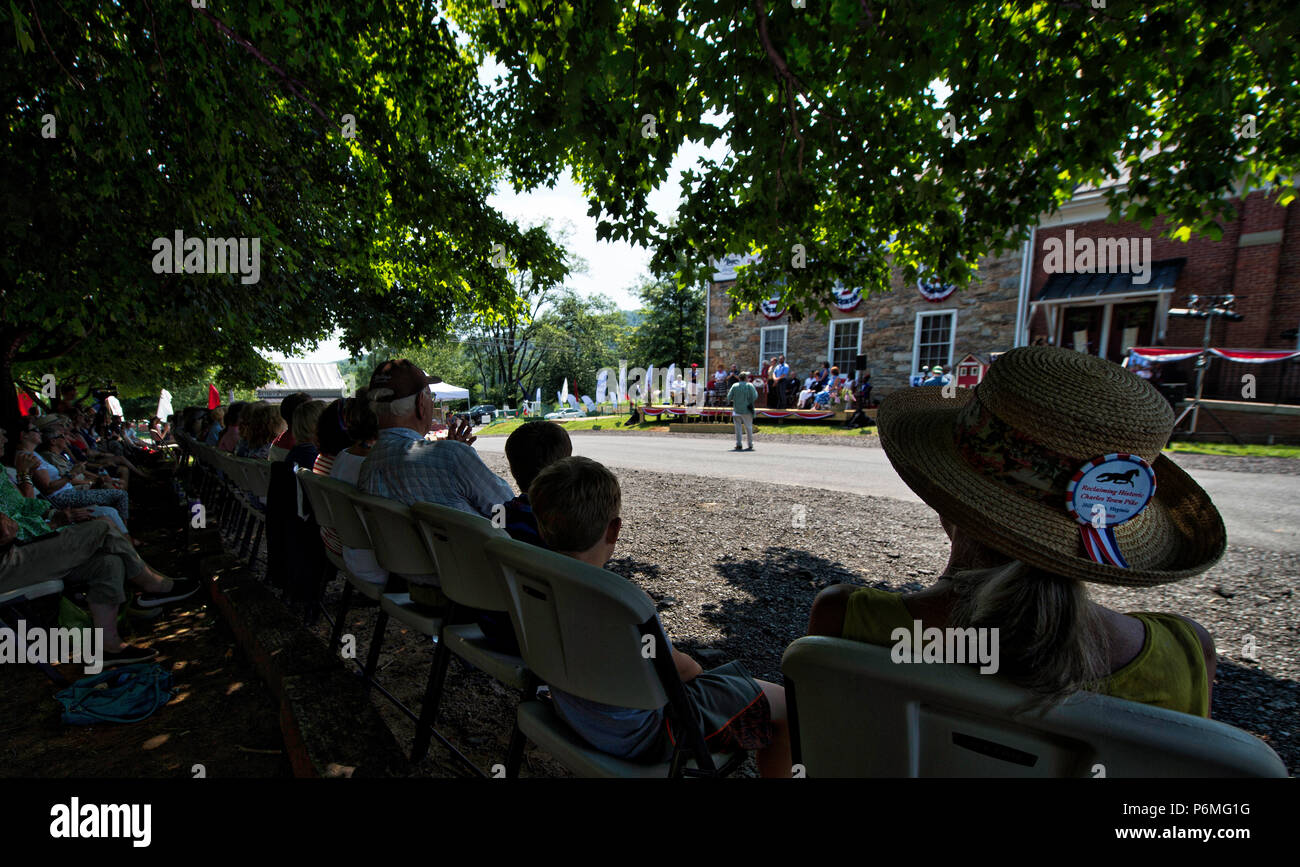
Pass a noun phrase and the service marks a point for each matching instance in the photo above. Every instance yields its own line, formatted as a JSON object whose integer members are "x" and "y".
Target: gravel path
{"x": 735, "y": 578}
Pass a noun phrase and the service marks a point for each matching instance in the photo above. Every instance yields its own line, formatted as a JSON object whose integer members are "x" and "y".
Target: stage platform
{"x": 660, "y": 412}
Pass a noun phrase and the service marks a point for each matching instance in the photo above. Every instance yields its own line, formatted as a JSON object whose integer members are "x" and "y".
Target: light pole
{"x": 1207, "y": 307}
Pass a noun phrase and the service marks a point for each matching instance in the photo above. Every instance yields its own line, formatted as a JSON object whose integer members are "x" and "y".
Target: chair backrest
{"x": 339, "y": 511}
{"x": 399, "y": 545}
{"x": 457, "y": 540}
{"x": 580, "y": 628}
{"x": 857, "y": 713}
{"x": 257, "y": 476}
{"x": 277, "y": 454}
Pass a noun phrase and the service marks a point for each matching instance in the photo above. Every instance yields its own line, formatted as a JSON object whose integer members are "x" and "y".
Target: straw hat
{"x": 997, "y": 461}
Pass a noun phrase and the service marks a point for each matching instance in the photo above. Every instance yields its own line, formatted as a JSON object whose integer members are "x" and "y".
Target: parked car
{"x": 482, "y": 414}
{"x": 566, "y": 413}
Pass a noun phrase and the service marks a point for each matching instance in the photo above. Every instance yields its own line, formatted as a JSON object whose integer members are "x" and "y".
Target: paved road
{"x": 1260, "y": 510}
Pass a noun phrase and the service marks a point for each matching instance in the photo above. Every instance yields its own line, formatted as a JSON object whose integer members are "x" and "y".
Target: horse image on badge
{"x": 1104, "y": 493}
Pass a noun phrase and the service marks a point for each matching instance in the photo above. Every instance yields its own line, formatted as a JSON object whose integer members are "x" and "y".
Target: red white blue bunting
{"x": 847, "y": 300}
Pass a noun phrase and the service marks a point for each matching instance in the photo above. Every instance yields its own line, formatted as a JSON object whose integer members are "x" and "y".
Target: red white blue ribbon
{"x": 1104, "y": 493}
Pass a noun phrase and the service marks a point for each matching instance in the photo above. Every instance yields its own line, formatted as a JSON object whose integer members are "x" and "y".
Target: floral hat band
{"x": 1009, "y": 456}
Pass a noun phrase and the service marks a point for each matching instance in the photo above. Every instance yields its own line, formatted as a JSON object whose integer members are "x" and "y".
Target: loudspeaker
{"x": 860, "y": 363}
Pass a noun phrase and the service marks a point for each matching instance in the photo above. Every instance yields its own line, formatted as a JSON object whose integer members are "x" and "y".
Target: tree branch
{"x": 36, "y": 16}
{"x": 285, "y": 78}
{"x": 789, "y": 84}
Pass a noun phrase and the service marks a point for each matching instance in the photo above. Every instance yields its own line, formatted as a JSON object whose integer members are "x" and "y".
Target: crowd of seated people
{"x": 1054, "y": 639}
{"x": 60, "y": 521}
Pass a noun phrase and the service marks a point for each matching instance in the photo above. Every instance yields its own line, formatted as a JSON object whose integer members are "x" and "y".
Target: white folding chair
{"x": 584, "y": 630}
{"x": 470, "y": 580}
{"x": 856, "y": 713}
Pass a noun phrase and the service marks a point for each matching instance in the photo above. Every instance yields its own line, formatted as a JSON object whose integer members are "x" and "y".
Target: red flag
{"x": 214, "y": 397}
{"x": 24, "y": 402}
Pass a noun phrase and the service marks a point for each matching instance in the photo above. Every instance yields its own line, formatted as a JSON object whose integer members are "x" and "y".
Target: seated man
{"x": 577, "y": 502}
{"x": 404, "y": 466}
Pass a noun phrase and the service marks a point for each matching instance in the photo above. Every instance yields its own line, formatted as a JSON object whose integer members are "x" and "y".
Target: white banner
{"x": 602, "y": 386}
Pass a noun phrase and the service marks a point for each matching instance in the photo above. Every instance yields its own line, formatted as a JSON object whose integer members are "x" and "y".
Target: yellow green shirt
{"x": 1169, "y": 671}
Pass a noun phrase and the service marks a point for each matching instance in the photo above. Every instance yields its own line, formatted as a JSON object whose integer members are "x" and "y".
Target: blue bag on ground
{"x": 127, "y": 694}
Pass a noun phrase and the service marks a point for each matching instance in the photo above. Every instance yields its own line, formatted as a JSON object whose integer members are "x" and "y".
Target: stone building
{"x": 896, "y": 328}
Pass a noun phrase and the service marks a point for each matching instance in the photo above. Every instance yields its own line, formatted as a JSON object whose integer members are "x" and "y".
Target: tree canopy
{"x": 844, "y": 161}
{"x": 348, "y": 138}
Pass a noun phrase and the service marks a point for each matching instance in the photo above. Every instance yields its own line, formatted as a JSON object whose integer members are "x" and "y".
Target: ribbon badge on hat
{"x": 1104, "y": 493}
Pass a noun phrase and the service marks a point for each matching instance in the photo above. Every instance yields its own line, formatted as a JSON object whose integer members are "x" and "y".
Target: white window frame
{"x": 916, "y": 336}
{"x": 762, "y": 340}
{"x": 830, "y": 341}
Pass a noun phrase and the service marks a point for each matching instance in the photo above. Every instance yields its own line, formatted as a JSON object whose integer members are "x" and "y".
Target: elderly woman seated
{"x": 1021, "y": 471}
{"x": 75, "y": 491}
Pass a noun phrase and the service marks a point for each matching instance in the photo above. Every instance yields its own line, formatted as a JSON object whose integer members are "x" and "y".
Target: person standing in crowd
{"x": 776, "y": 399}
{"x": 742, "y": 398}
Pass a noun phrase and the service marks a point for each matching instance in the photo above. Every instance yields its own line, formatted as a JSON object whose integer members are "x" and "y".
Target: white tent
{"x": 447, "y": 391}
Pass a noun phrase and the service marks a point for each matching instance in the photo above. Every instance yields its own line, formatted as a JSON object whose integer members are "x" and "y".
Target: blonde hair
{"x": 573, "y": 500}
{"x": 305, "y": 418}
{"x": 1051, "y": 638}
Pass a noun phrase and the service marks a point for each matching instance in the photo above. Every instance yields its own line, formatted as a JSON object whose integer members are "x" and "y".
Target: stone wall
{"x": 986, "y": 321}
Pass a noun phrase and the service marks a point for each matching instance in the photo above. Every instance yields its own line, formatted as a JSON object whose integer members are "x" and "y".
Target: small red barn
{"x": 970, "y": 370}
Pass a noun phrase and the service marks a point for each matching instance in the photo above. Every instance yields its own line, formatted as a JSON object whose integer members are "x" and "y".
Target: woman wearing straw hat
{"x": 1046, "y": 475}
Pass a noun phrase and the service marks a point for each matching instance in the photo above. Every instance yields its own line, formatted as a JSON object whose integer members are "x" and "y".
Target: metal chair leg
{"x": 336, "y": 635}
{"x": 432, "y": 697}
{"x": 376, "y": 641}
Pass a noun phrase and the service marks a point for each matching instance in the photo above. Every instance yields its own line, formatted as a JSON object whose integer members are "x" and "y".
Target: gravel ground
{"x": 735, "y": 576}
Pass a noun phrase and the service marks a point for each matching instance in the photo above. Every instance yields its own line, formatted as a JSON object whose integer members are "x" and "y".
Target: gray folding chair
{"x": 470, "y": 580}
{"x": 331, "y": 501}
{"x": 583, "y": 630}
{"x": 15, "y": 600}
{"x": 400, "y": 549}
{"x": 854, "y": 712}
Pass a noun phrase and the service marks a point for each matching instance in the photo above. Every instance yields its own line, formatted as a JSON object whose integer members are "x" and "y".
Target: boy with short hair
{"x": 531, "y": 448}
{"x": 576, "y": 503}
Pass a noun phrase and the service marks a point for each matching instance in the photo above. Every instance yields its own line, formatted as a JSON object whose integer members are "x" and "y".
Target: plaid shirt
{"x": 403, "y": 466}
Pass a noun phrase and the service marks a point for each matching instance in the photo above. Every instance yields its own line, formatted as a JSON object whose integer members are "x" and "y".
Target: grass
{"x": 615, "y": 422}
{"x": 1233, "y": 450}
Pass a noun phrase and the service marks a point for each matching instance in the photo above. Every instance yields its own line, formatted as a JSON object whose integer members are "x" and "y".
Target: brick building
{"x": 1257, "y": 260}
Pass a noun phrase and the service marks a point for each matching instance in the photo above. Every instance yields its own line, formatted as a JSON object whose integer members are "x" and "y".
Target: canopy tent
{"x": 447, "y": 391}
{"x": 321, "y": 381}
